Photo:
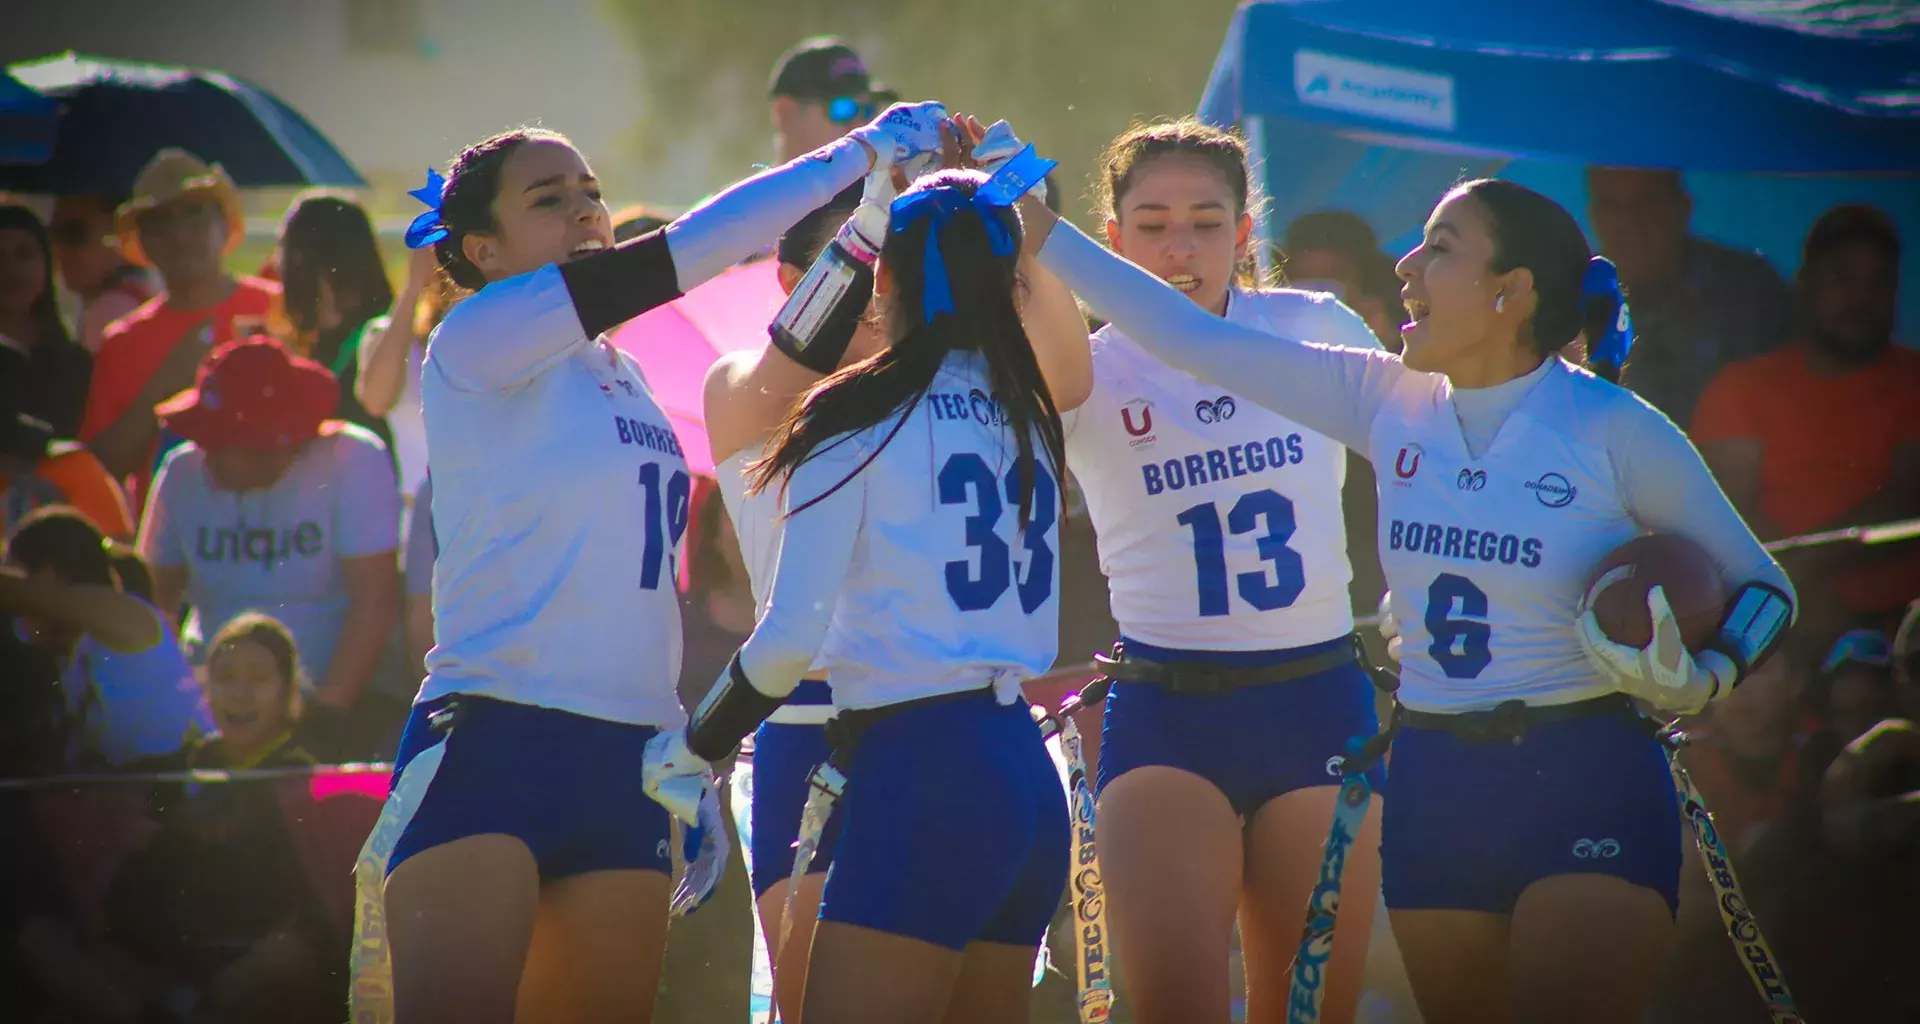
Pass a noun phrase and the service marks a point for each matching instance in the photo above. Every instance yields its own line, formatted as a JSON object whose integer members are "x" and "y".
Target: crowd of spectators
{"x": 215, "y": 495}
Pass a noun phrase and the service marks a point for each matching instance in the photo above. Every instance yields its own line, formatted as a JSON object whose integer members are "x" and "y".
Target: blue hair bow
{"x": 426, "y": 229}
{"x": 1603, "y": 279}
{"x": 1014, "y": 179}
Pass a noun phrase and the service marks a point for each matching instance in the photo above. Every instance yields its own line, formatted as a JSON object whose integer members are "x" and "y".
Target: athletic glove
{"x": 675, "y": 777}
{"x": 1662, "y": 674}
{"x": 998, "y": 146}
{"x": 1389, "y": 626}
{"x": 706, "y": 856}
{"x": 905, "y": 135}
{"x": 865, "y": 231}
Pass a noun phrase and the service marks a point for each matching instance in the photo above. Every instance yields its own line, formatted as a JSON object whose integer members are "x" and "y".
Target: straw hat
{"x": 172, "y": 175}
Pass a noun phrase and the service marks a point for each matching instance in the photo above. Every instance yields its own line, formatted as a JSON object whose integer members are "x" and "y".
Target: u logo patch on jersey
{"x": 1407, "y": 463}
{"x": 1137, "y": 417}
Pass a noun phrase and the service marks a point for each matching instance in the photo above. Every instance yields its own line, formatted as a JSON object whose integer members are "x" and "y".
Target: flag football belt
{"x": 1199, "y": 678}
{"x": 1510, "y": 720}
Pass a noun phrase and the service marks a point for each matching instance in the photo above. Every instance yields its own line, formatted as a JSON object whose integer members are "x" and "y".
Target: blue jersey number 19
{"x": 1265, "y": 593}
{"x": 666, "y": 522}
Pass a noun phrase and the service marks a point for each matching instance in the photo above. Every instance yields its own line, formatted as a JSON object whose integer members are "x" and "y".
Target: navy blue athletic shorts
{"x": 1473, "y": 823}
{"x": 784, "y": 757}
{"x": 566, "y": 785}
{"x": 956, "y": 828}
{"x": 1253, "y": 743}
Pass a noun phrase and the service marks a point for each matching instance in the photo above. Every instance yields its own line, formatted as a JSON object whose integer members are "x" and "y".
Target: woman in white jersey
{"x": 1531, "y": 851}
{"x": 1221, "y": 534}
{"x": 527, "y": 863}
{"x": 922, "y": 524}
{"x": 748, "y": 396}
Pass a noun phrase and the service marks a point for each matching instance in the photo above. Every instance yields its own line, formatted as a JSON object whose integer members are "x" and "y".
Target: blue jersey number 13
{"x": 1265, "y": 593}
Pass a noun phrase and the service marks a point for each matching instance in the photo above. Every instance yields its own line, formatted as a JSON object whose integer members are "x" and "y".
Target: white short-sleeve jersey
{"x": 1219, "y": 522}
{"x": 560, "y": 500}
{"x": 945, "y": 592}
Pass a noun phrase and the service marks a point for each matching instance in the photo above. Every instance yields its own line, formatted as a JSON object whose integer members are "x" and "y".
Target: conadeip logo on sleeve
{"x": 1374, "y": 90}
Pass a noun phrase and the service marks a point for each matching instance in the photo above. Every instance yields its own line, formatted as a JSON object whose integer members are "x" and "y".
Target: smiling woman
{"x": 505, "y": 871}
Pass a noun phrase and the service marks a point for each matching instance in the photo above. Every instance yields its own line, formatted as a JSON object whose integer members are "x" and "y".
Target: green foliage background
{"x": 1069, "y": 74}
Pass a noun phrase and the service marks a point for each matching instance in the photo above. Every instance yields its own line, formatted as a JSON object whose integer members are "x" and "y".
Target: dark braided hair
{"x": 466, "y": 204}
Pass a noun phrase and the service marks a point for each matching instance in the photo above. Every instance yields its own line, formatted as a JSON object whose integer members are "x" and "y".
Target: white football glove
{"x": 675, "y": 777}
{"x": 998, "y": 146}
{"x": 1389, "y": 626}
{"x": 708, "y": 863}
{"x": 905, "y": 135}
{"x": 1662, "y": 674}
{"x": 866, "y": 230}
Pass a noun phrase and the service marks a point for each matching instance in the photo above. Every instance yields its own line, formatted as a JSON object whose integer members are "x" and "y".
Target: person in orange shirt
{"x": 184, "y": 219}
{"x": 1822, "y": 434}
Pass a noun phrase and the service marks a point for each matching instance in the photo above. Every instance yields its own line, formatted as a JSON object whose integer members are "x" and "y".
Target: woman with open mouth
{"x": 520, "y": 866}
{"x": 1530, "y": 858}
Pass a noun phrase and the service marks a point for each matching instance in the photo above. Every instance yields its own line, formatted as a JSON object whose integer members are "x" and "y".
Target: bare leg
{"x": 596, "y": 950}
{"x": 862, "y": 976}
{"x": 790, "y": 964}
{"x": 995, "y": 984}
{"x": 1457, "y": 963}
{"x": 1587, "y": 948}
{"x": 1170, "y": 856}
{"x": 459, "y": 919}
{"x": 1285, "y": 847}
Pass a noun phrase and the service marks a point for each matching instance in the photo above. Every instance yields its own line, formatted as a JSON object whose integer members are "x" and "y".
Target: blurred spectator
{"x": 1697, "y": 305}
{"x": 391, "y": 353}
{"x": 270, "y": 506}
{"x": 125, "y": 691}
{"x": 637, "y": 220}
{"x": 215, "y": 919}
{"x": 335, "y": 285}
{"x": 1906, "y": 659}
{"x": 1336, "y": 251}
{"x": 1854, "y": 688}
{"x": 422, "y": 547}
{"x": 184, "y": 218}
{"x": 1823, "y": 434}
{"x": 92, "y": 267}
{"x": 819, "y": 91}
{"x": 58, "y": 369}
{"x": 37, "y": 470}
{"x": 1745, "y": 750}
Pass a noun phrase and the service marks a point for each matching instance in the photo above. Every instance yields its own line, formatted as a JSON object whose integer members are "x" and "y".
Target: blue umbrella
{"x": 26, "y": 123}
{"x": 114, "y": 116}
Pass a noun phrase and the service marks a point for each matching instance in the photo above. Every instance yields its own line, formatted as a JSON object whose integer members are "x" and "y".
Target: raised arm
{"x": 1057, "y": 330}
{"x": 1667, "y": 489}
{"x": 1334, "y": 391}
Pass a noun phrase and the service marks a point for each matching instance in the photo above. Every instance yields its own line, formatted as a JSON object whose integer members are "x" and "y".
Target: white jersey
{"x": 560, "y": 499}
{"x": 1219, "y": 522}
{"x": 931, "y": 585}
{"x": 756, "y": 524}
{"x": 1488, "y": 558}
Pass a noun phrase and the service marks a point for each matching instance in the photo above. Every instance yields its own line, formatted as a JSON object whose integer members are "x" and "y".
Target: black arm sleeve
{"x": 612, "y": 287}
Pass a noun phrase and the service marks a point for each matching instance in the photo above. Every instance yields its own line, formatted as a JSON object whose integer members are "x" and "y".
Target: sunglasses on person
{"x": 1858, "y": 647}
{"x": 851, "y": 109}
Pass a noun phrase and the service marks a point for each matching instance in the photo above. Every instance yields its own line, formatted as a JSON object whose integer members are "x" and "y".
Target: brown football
{"x": 1694, "y": 588}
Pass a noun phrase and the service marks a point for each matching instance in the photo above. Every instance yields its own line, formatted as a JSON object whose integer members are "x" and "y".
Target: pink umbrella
{"x": 676, "y": 343}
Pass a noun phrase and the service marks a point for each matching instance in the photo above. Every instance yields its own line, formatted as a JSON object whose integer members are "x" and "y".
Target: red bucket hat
{"x": 253, "y": 393}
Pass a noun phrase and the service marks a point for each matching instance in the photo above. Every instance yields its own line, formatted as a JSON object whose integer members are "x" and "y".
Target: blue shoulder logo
{"x": 1553, "y": 490}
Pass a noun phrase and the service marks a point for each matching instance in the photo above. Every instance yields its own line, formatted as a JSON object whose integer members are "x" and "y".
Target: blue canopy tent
{"x": 1377, "y": 106}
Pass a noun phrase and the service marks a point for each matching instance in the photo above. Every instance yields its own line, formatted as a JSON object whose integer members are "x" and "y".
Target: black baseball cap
{"x": 821, "y": 68}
